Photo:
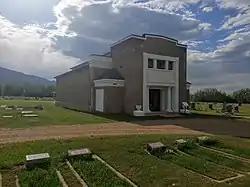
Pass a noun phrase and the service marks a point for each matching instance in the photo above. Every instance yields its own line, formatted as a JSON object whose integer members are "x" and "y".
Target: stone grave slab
{"x": 8, "y": 116}
{"x": 37, "y": 159}
{"x": 156, "y": 147}
{"x": 180, "y": 141}
{"x": 202, "y": 139}
{"x": 3, "y": 106}
{"x": 27, "y": 112}
{"x": 8, "y": 108}
{"x": 30, "y": 115}
{"x": 85, "y": 152}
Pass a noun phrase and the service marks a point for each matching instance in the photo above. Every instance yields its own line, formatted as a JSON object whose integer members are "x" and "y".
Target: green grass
{"x": 39, "y": 177}
{"x": 51, "y": 115}
{"x": 9, "y": 179}
{"x": 218, "y": 158}
{"x": 68, "y": 176}
{"x": 233, "y": 148}
{"x": 244, "y": 109}
{"x": 199, "y": 165}
{"x": 96, "y": 174}
{"x": 127, "y": 155}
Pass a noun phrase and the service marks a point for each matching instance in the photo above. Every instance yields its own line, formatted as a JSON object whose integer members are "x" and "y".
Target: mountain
{"x": 10, "y": 76}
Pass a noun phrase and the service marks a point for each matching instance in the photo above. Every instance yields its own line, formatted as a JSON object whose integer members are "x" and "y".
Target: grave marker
{"x": 30, "y": 115}
{"x": 37, "y": 160}
{"x": 85, "y": 152}
{"x": 8, "y": 116}
{"x": 155, "y": 148}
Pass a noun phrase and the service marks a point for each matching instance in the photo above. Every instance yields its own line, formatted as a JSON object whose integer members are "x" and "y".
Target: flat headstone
{"x": 203, "y": 138}
{"x": 79, "y": 152}
{"x": 30, "y": 115}
{"x": 36, "y": 159}
{"x": 8, "y": 108}
{"x": 27, "y": 112}
{"x": 156, "y": 147}
{"x": 8, "y": 116}
{"x": 180, "y": 141}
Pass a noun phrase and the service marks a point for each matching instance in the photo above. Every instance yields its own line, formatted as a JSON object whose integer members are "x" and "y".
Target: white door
{"x": 99, "y": 100}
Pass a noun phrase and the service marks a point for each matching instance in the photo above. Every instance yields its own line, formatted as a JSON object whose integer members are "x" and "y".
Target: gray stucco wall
{"x": 73, "y": 89}
{"x": 128, "y": 59}
{"x": 113, "y": 100}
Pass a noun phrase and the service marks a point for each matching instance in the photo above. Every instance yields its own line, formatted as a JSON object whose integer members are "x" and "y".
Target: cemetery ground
{"x": 203, "y": 108}
{"x": 225, "y": 163}
{"x": 50, "y": 115}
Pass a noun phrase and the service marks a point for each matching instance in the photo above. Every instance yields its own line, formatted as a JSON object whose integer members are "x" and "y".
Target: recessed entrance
{"x": 154, "y": 100}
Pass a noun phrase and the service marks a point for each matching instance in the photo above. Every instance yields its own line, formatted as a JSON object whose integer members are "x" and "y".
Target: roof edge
{"x": 145, "y": 36}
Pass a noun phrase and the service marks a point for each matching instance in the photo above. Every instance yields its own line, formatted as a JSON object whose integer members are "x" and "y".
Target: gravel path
{"x": 69, "y": 131}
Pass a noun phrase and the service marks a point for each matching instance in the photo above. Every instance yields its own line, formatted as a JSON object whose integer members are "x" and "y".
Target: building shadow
{"x": 218, "y": 125}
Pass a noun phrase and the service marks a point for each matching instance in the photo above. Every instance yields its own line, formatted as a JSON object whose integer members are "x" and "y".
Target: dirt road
{"x": 69, "y": 131}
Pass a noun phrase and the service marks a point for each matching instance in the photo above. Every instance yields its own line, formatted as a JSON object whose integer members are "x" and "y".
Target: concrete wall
{"x": 128, "y": 59}
{"x": 113, "y": 100}
{"x": 73, "y": 89}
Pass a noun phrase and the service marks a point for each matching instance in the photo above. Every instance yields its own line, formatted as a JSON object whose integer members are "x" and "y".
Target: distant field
{"x": 51, "y": 115}
{"x": 128, "y": 156}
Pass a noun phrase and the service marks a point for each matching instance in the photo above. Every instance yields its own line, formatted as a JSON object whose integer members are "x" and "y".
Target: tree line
{"x": 27, "y": 90}
{"x": 215, "y": 95}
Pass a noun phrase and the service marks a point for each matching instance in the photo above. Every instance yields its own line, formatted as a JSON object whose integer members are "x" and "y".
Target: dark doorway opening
{"x": 154, "y": 100}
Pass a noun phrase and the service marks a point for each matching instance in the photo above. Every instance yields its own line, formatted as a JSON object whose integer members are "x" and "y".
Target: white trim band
{"x": 109, "y": 83}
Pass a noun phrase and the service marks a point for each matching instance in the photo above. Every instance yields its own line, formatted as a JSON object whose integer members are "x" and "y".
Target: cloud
{"x": 27, "y": 50}
{"x": 104, "y": 23}
{"x": 242, "y": 19}
{"x": 48, "y": 37}
{"x": 23, "y": 12}
{"x": 227, "y": 67}
{"x": 207, "y": 9}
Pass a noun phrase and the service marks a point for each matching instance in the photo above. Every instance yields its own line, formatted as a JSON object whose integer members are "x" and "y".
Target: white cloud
{"x": 243, "y": 18}
{"x": 207, "y": 9}
{"x": 227, "y": 67}
{"x": 25, "y": 49}
{"x": 236, "y": 4}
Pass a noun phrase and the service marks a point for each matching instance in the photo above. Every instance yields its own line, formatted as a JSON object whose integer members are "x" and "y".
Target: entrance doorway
{"x": 155, "y": 100}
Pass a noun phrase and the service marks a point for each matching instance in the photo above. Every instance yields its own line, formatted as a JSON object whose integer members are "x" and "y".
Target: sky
{"x": 47, "y": 37}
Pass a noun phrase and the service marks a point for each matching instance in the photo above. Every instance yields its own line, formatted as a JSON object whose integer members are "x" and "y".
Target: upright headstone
{"x": 211, "y": 106}
{"x": 229, "y": 108}
{"x": 236, "y": 108}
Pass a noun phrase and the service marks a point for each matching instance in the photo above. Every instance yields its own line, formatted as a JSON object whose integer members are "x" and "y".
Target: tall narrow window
{"x": 150, "y": 63}
{"x": 170, "y": 65}
{"x": 161, "y": 64}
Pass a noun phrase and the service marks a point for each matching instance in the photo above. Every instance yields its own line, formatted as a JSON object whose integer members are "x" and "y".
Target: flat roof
{"x": 144, "y": 36}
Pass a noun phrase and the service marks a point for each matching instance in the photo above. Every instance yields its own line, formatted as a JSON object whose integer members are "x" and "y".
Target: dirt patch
{"x": 63, "y": 132}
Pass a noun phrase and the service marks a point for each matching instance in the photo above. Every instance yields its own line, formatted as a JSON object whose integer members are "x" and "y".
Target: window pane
{"x": 170, "y": 65}
{"x": 150, "y": 63}
{"x": 161, "y": 64}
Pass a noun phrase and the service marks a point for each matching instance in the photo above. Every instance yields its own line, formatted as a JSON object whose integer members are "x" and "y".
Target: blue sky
{"x": 47, "y": 37}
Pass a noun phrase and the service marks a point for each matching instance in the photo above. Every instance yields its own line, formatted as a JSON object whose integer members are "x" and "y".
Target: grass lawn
{"x": 244, "y": 110}
{"x": 231, "y": 147}
{"x": 127, "y": 155}
{"x": 199, "y": 165}
{"x": 96, "y": 174}
{"x": 218, "y": 158}
{"x": 39, "y": 177}
{"x": 51, "y": 115}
